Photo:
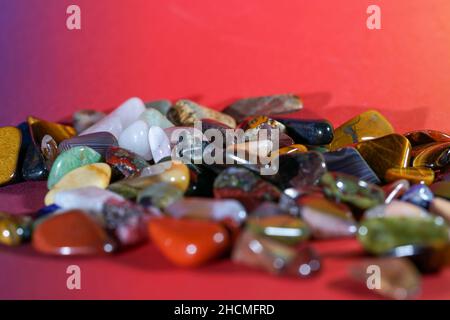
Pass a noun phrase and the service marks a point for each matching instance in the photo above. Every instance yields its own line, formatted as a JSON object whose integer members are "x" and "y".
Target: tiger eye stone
{"x": 295, "y": 148}
{"x": 413, "y": 175}
{"x": 436, "y": 156}
{"x": 40, "y": 128}
{"x": 365, "y": 126}
{"x": 421, "y": 137}
{"x": 14, "y": 230}
{"x": 261, "y": 122}
{"x": 390, "y": 151}
{"x": 10, "y": 142}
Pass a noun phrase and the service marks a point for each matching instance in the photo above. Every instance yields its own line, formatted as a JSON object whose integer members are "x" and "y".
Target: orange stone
{"x": 413, "y": 175}
{"x": 189, "y": 243}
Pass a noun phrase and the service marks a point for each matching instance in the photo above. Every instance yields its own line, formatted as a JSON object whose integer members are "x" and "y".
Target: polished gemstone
{"x": 391, "y": 151}
{"x": 189, "y": 243}
{"x": 348, "y": 160}
{"x": 135, "y": 139}
{"x": 254, "y": 152}
{"x": 395, "y": 190}
{"x": 413, "y": 175}
{"x": 47, "y": 210}
{"x": 83, "y": 119}
{"x": 177, "y": 175}
{"x": 49, "y": 150}
{"x": 162, "y": 105}
{"x": 119, "y": 119}
{"x": 283, "y": 228}
{"x": 70, "y": 160}
{"x": 441, "y": 189}
{"x": 399, "y": 279}
{"x": 244, "y": 186}
{"x": 294, "y": 148}
{"x": 274, "y": 257}
{"x": 311, "y": 132}
{"x": 91, "y": 175}
{"x": 325, "y": 218}
{"x": 34, "y": 167}
{"x": 98, "y": 141}
{"x": 267, "y": 105}
{"x": 298, "y": 169}
{"x": 201, "y": 181}
{"x": 186, "y": 113}
{"x": 10, "y": 142}
{"x": 209, "y": 209}
{"x": 418, "y": 194}
{"x": 261, "y": 122}
{"x": 365, "y": 126}
{"x": 159, "y": 144}
{"x": 421, "y": 137}
{"x": 396, "y": 208}
{"x": 39, "y": 128}
{"x": 88, "y": 198}
{"x": 14, "y": 230}
{"x": 71, "y": 233}
{"x": 351, "y": 190}
{"x": 436, "y": 156}
{"x": 379, "y": 235}
{"x": 441, "y": 207}
{"x": 153, "y": 117}
{"x": 159, "y": 195}
{"x": 210, "y": 127}
{"x": 126, "y": 162}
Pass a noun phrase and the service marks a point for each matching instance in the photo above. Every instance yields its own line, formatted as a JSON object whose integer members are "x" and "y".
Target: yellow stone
{"x": 59, "y": 132}
{"x": 368, "y": 125}
{"x": 10, "y": 141}
{"x": 295, "y": 148}
{"x": 91, "y": 175}
{"x": 413, "y": 175}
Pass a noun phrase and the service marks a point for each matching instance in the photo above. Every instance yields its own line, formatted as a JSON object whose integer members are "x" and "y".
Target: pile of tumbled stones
{"x": 113, "y": 183}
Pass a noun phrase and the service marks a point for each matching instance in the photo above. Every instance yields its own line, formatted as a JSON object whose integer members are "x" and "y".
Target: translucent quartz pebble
{"x": 89, "y": 198}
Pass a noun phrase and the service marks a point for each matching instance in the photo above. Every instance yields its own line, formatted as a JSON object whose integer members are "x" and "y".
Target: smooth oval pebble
{"x": 70, "y": 160}
{"x": 413, "y": 175}
{"x": 135, "y": 139}
{"x": 153, "y": 117}
{"x": 98, "y": 141}
{"x": 10, "y": 142}
{"x": 88, "y": 198}
{"x": 91, "y": 175}
{"x": 159, "y": 144}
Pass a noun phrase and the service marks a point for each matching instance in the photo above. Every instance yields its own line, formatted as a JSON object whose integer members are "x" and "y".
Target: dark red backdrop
{"x": 214, "y": 52}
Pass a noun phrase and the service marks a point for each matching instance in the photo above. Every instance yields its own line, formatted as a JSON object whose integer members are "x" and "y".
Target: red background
{"x": 214, "y": 52}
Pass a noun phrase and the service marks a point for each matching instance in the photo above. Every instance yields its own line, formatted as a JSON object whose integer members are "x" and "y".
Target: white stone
{"x": 155, "y": 118}
{"x": 135, "y": 139}
{"x": 111, "y": 124}
{"x": 159, "y": 143}
{"x": 396, "y": 209}
{"x": 89, "y": 198}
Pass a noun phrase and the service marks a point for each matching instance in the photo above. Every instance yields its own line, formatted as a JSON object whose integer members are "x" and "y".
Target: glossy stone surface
{"x": 177, "y": 175}
{"x": 99, "y": 141}
{"x": 153, "y": 117}
{"x": 399, "y": 279}
{"x": 14, "y": 230}
{"x": 70, "y": 160}
{"x": 379, "y": 235}
{"x": 365, "y": 126}
{"x": 34, "y": 167}
{"x": 10, "y": 142}
{"x": 126, "y": 162}
{"x": 395, "y": 190}
{"x": 186, "y": 112}
{"x": 436, "y": 156}
{"x": 88, "y": 198}
{"x": 413, "y": 175}
{"x": 348, "y": 189}
{"x": 348, "y": 160}
{"x": 244, "y": 186}
{"x": 159, "y": 144}
{"x": 391, "y": 151}
{"x": 441, "y": 207}
{"x": 283, "y": 228}
{"x": 208, "y": 209}
{"x": 441, "y": 189}
{"x": 298, "y": 169}
{"x": 216, "y": 126}
{"x": 325, "y": 218}
{"x": 91, "y": 175}
{"x": 49, "y": 150}
{"x": 311, "y": 132}
{"x": 418, "y": 194}
{"x": 264, "y": 122}
{"x": 39, "y": 128}
{"x": 266, "y": 105}
{"x": 71, "y": 233}
{"x": 118, "y": 120}
{"x": 294, "y": 148}
{"x": 274, "y": 257}
{"x": 422, "y": 137}
{"x": 201, "y": 181}
{"x": 83, "y": 119}
{"x": 162, "y": 105}
{"x": 159, "y": 195}
{"x": 189, "y": 243}
{"x": 396, "y": 209}
{"x": 135, "y": 139}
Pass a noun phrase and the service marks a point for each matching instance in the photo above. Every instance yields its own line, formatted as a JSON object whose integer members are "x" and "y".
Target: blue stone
{"x": 418, "y": 194}
{"x": 47, "y": 210}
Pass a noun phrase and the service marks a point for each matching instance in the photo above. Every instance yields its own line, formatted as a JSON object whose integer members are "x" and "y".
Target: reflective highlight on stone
{"x": 39, "y": 128}
{"x": 49, "y": 150}
{"x": 88, "y": 198}
{"x": 422, "y": 137}
{"x": 418, "y": 194}
{"x": 413, "y": 175}
{"x": 436, "y": 156}
{"x": 33, "y": 166}
{"x": 126, "y": 162}
{"x": 365, "y": 126}
{"x": 135, "y": 139}
{"x": 14, "y": 230}
{"x": 10, "y": 142}
{"x": 395, "y": 190}
{"x": 310, "y": 132}
{"x": 99, "y": 141}
{"x": 159, "y": 144}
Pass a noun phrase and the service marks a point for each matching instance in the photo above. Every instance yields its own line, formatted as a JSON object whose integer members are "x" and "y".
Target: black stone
{"x": 312, "y": 132}
{"x": 34, "y": 168}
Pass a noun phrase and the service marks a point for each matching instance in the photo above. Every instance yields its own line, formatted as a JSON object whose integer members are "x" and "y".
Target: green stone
{"x": 70, "y": 160}
{"x": 159, "y": 195}
{"x": 379, "y": 235}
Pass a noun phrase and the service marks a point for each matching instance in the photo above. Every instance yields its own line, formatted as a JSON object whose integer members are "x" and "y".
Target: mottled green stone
{"x": 70, "y": 160}
{"x": 379, "y": 235}
{"x": 159, "y": 195}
